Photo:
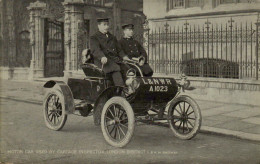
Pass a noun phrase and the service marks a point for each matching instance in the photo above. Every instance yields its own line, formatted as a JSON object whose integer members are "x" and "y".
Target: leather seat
{"x": 92, "y": 70}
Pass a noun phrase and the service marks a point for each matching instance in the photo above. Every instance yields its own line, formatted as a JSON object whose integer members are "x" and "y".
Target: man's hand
{"x": 126, "y": 58}
{"x": 103, "y": 60}
{"x": 84, "y": 52}
{"x": 141, "y": 63}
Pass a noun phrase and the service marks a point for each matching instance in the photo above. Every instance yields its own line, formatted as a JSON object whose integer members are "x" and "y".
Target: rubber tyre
{"x": 197, "y": 114}
{"x": 131, "y": 121}
{"x": 63, "y": 116}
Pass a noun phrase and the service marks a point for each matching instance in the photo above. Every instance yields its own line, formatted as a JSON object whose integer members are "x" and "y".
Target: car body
{"x": 114, "y": 106}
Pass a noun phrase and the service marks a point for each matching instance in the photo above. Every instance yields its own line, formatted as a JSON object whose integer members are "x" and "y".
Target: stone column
{"x": 8, "y": 52}
{"x": 116, "y": 19}
{"x": 146, "y": 36}
{"x": 37, "y": 39}
{"x": 74, "y": 18}
{"x": 257, "y": 50}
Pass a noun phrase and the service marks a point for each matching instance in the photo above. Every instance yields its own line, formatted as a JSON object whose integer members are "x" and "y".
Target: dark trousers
{"x": 124, "y": 68}
{"x": 146, "y": 70}
{"x": 117, "y": 79}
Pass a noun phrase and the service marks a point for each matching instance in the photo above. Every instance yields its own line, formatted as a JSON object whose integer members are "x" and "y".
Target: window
{"x": 96, "y": 2}
{"x": 172, "y": 4}
{"x": 235, "y": 1}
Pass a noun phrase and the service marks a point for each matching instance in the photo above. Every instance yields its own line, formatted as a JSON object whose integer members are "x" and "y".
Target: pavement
{"x": 240, "y": 121}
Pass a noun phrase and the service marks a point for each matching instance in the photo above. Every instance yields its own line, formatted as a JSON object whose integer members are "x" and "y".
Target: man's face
{"x": 103, "y": 27}
{"x": 128, "y": 32}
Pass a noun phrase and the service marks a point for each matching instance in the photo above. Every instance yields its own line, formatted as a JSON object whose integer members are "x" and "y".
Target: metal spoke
{"x": 124, "y": 119}
{"x": 118, "y": 133}
{"x": 190, "y": 124}
{"x": 58, "y": 114}
{"x": 177, "y": 110}
{"x": 115, "y": 133}
{"x": 176, "y": 121}
{"x": 111, "y": 112}
{"x": 57, "y": 117}
{"x": 180, "y": 125}
{"x": 183, "y": 127}
{"x": 109, "y": 125}
{"x": 57, "y": 101}
{"x": 190, "y": 113}
{"x": 51, "y": 117}
{"x": 111, "y": 130}
{"x": 115, "y": 110}
{"x": 121, "y": 130}
{"x": 187, "y": 126}
{"x": 184, "y": 107}
{"x": 54, "y": 100}
{"x": 188, "y": 109}
{"x": 180, "y": 108}
{"x": 54, "y": 118}
{"x": 58, "y": 105}
{"x": 109, "y": 118}
{"x": 120, "y": 117}
{"x": 118, "y": 112}
{"x": 123, "y": 125}
{"x": 191, "y": 118}
{"x": 177, "y": 117}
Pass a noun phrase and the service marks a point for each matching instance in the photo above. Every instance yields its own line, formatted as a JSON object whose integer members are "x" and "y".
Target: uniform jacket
{"x": 132, "y": 48}
{"x": 106, "y": 45}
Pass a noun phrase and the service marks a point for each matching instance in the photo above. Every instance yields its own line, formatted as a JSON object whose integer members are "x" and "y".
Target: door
{"x": 53, "y": 48}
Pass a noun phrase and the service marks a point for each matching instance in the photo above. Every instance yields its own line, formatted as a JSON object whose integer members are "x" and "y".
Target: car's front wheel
{"x": 184, "y": 117}
{"x": 117, "y": 122}
{"x": 54, "y": 110}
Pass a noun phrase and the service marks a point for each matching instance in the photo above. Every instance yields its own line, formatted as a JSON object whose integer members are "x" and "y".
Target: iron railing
{"x": 223, "y": 51}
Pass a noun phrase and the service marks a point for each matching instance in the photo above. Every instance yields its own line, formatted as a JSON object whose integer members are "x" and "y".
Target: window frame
{"x": 170, "y": 5}
{"x": 218, "y": 2}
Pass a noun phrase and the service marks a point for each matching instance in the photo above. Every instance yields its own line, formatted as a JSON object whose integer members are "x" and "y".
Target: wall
{"x": 15, "y": 45}
{"x": 243, "y": 15}
{"x": 134, "y": 5}
{"x": 1, "y": 31}
{"x": 154, "y": 8}
{"x": 17, "y": 49}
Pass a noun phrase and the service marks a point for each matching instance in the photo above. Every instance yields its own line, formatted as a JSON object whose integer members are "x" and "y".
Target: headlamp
{"x": 131, "y": 80}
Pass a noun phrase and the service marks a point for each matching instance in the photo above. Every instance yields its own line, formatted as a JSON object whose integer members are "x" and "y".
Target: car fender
{"x": 102, "y": 99}
{"x": 65, "y": 90}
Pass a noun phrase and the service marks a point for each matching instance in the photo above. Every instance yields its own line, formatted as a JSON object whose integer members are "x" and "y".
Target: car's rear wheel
{"x": 184, "y": 117}
{"x": 54, "y": 110}
{"x": 117, "y": 121}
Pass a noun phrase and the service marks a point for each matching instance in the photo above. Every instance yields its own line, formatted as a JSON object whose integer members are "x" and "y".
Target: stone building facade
{"x": 214, "y": 42}
{"x": 39, "y": 37}
{"x": 219, "y": 32}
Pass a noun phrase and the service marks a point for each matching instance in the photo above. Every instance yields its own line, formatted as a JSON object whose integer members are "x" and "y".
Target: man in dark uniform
{"x": 108, "y": 56}
{"x": 133, "y": 49}
{"x": 107, "y": 52}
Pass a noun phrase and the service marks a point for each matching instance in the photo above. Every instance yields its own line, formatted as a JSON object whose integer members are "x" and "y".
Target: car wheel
{"x": 184, "y": 117}
{"x": 117, "y": 122}
{"x": 54, "y": 110}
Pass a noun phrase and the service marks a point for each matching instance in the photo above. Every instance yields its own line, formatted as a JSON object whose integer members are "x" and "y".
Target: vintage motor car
{"x": 152, "y": 100}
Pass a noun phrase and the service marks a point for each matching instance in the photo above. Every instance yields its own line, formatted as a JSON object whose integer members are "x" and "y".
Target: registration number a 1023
{"x": 158, "y": 88}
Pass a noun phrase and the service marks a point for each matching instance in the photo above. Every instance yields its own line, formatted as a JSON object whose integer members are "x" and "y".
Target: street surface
{"x": 26, "y": 139}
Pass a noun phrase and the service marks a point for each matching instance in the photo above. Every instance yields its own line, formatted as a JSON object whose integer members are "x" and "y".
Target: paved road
{"x": 25, "y": 139}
